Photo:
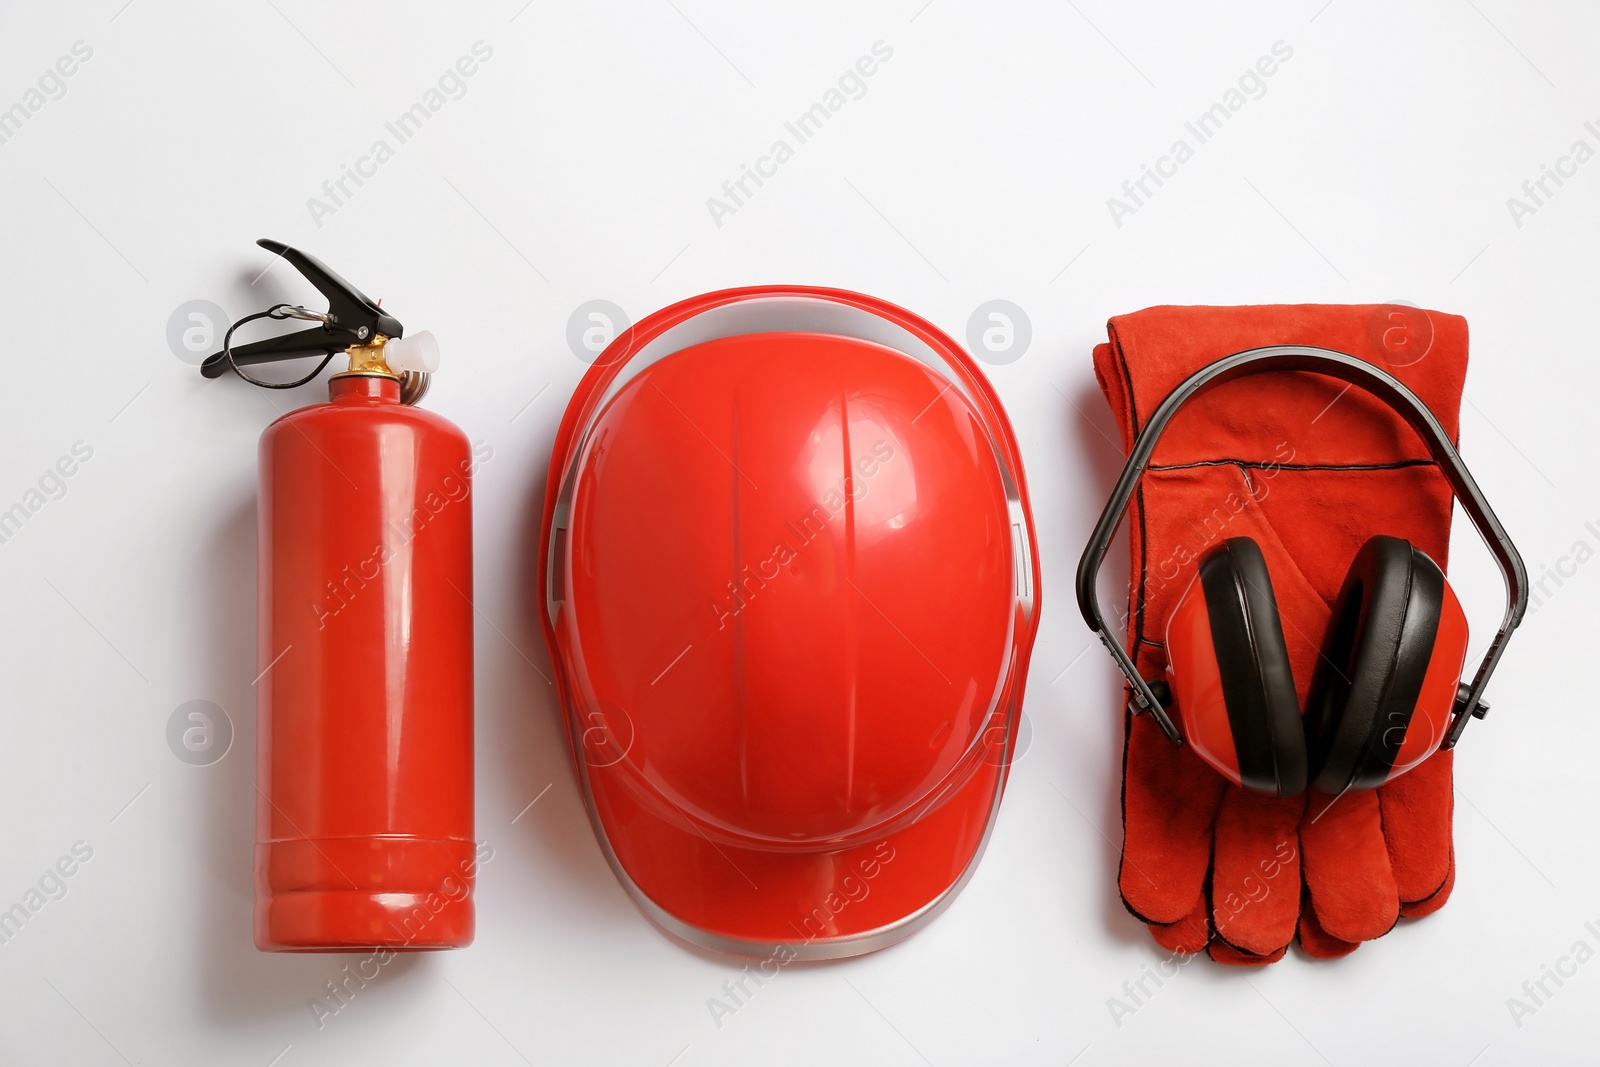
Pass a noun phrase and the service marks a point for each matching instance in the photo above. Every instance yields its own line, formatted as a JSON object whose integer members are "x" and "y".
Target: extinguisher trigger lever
{"x": 349, "y": 309}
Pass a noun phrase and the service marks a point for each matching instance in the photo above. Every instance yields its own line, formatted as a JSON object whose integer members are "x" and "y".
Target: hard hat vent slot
{"x": 558, "y": 572}
{"x": 1024, "y": 564}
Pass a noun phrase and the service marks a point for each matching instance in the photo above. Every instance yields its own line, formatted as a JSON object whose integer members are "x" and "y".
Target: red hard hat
{"x": 790, "y": 589}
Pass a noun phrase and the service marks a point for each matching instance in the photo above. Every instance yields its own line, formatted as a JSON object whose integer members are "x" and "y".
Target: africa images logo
{"x": 450, "y": 85}
{"x": 1251, "y": 85}
{"x": 851, "y": 85}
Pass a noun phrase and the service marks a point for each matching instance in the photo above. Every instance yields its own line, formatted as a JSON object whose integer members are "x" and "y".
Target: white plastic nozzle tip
{"x": 415, "y": 352}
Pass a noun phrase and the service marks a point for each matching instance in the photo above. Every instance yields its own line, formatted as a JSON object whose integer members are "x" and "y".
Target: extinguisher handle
{"x": 353, "y": 318}
{"x": 317, "y": 341}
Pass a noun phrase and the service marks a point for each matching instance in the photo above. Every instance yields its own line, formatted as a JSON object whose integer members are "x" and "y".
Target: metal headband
{"x": 1396, "y": 396}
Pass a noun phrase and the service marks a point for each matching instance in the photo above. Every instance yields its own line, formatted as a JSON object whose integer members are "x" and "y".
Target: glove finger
{"x": 1347, "y": 867}
{"x": 1188, "y": 935}
{"x": 1222, "y": 953}
{"x": 1416, "y": 909}
{"x": 1417, "y": 809}
{"x": 1318, "y": 942}
{"x": 1169, "y": 801}
{"x": 1255, "y": 874}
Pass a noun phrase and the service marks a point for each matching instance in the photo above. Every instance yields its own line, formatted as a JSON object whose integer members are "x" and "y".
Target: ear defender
{"x": 1385, "y": 684}
{"x": 1382, "y": 693}
{"x": 1229, "y": 671}
{"x": 1387, "y": 690}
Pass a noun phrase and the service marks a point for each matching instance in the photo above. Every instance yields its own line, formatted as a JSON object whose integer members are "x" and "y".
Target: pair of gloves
{"x": 1309, "y": 468}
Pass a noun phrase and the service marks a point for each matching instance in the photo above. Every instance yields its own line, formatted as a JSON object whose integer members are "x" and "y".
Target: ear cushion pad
{"x": 1376, "y": 653}
{"x": 1257, "y": 683}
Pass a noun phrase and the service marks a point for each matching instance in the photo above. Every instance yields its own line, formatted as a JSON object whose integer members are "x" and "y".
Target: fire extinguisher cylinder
{"x": 364, "y": 718}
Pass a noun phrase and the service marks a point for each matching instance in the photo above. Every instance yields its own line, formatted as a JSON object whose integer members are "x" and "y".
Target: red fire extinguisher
{"x": 364, "y": 703}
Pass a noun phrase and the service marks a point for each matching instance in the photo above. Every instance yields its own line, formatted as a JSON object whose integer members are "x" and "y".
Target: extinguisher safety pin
{"x": 295, "y": 311}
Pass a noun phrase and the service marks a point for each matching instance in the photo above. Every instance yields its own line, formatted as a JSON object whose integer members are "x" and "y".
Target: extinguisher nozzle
{"x": 418, "y": 352}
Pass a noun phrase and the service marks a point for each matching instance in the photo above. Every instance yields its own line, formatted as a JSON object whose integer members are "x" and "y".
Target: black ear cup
{"x": 1373, "y": 660}
{"x": 1257, "y": 684}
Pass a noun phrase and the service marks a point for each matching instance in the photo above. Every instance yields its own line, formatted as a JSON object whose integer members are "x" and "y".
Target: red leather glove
{"x": 1309, "y": 468}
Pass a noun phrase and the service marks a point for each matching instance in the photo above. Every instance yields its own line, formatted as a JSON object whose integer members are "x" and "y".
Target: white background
{"x": 1376, "y": 166}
